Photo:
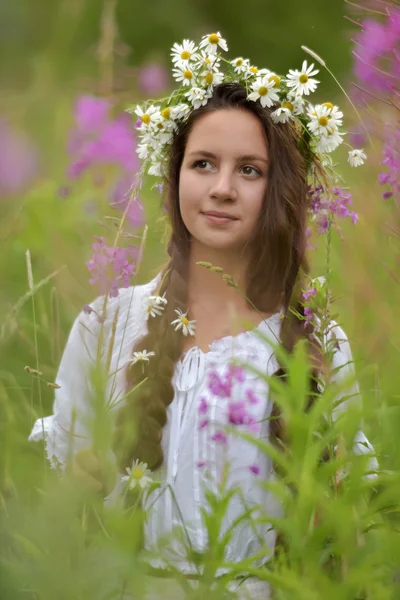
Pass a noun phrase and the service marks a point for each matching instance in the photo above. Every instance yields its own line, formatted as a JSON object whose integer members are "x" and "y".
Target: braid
{"x": 139, "y": 425}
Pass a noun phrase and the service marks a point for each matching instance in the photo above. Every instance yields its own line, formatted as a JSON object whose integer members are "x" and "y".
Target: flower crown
{"x": 198, "y": 68}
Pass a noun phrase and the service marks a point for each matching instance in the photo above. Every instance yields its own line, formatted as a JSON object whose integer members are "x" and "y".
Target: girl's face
{"x": 223, "y": 179}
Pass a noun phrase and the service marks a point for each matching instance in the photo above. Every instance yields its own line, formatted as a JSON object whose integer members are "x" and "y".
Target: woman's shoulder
{"x": 126, "y": 311}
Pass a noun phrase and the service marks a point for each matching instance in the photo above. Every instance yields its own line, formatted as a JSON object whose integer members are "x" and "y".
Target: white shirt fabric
{"x": 193, "y": 460}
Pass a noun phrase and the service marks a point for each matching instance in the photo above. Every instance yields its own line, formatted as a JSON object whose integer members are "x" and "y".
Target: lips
{"x": 219, "y": 215}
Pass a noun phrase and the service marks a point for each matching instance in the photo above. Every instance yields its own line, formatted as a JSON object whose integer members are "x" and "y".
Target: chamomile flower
{"x": 183, "y": 53}
{"x": 182, "y": 322}
{"x": 329, "y": 142}
{"x": 251, "y": 71}
{"x": 180, "y": 111}
{"x": 155, "y": 305}
{"x": 207, "y": 61}
{"x": 281, "y": 115}
{"x": 183, "y": 74}
{"x": 295, "y": 103}
{"x": 211, "y": 78}
{"x": 301, "y": 81}
{"x": 149, "y": 116}
{"x": 356, "y": 157}
{"x": 142, "y": 150}
{"x": 141, "y": 356}
{"x": 264, "y": 89}
{"x": 322, "y": 120}
{"x": 197, "y": 96}
{"x": 156, "y": 169}
{"x": 211, "y": 42}
{"x": 138, "y": 475}
{"x": 240, "y": 64}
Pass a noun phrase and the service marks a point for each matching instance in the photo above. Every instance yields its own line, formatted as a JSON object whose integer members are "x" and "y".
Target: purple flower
{"x": 251, "y": 397}
{"x": 201, "y": 463}
{"x": 121, "y": 199}
{"x": 220, "y": 437}
{"x": 255, "y": 469}
{"x": 87, "y": 309}
{"x": 310, "y": 293}
{"x": 308, "y": 313}
{"x": 111, "y": 267}
{"x": 159, "y": 188}
{"x": 219, "y": 385}
{"x": 203, "y": 407}
{"x": 237, "y": 413}
{"x": 203, "y": 424}
{"x": 153, "y": 79}
{"x": 383, "y": 178}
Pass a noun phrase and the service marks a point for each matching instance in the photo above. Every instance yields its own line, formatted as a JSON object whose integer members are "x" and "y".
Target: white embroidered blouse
{"x": 194, "y": 456}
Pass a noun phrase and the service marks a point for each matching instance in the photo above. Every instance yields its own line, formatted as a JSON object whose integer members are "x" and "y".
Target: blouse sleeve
{"x": 344, "y": 375}
{"x": 67, "y": 430}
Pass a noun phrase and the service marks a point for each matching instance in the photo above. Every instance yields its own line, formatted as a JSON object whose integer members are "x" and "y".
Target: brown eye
{"x": 250, "y": 171}
{"x": 201, "y": 164}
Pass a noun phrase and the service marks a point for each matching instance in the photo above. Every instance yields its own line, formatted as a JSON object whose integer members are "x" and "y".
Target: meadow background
{"x": 55, "y": 52}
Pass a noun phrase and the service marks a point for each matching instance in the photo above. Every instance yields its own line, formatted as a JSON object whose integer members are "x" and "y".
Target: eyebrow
{"x": 243, "y": 157}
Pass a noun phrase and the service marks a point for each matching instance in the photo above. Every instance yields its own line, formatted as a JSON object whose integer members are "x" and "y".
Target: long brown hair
{"x": 278, "y": 263}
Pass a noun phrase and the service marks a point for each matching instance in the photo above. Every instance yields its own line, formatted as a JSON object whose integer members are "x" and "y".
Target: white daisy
{"x": 142, "y": 151}
{"x": 182, "y": 322}
{"x": 210, "y": 62}
{"x": 197, "y": 96}
{"x": 265, "y": 90}
{"x": 180, "y": 111}
{"x": 184, "y": 74}
{"x": 156, "y": 169}
{"x": 297, "y": 101}
{"x": 211, "y": 78}
{"x": 149, "y": 116}
{"x": 240, "y": 64}
{"x": 137, "y": 475}
{"x": 281, "y": 115}
{"x": 212, "y": 41}
{"x": 155, "y": 306}
{"x": 323, "y": 120}
{"x": 141, "y": 356}
{"x": 301, "y": 81}
{"x": 250, "y": 71}
{"x": 182, "y": 53}
{"x": 329, "y": 143}
{"x": 357, "y": 157}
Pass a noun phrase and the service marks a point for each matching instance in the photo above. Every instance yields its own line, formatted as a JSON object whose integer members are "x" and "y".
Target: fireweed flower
{"x": 138, "y": 475}
{"x": 182, "y": 322}
{"x": 111, "y": 267}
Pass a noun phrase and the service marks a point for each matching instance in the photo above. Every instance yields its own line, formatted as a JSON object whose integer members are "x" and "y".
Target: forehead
{"x": 228, "y": 131}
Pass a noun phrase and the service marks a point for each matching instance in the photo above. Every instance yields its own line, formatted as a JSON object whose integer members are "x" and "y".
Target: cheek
{"x": 255, "y": 201}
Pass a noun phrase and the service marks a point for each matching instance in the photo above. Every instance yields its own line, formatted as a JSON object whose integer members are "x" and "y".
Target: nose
{"x": 223, "y": 187}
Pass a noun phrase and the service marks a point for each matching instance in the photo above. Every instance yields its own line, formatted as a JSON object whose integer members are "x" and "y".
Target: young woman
{"x": 236, "y": 193}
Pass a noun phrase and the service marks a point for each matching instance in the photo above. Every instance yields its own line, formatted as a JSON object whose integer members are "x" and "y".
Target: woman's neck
{"x": 208, "y": 289}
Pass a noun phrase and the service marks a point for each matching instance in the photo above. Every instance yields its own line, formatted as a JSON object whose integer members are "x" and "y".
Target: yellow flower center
{"x": 213, "y": 38}
{"x": 288, "y": 105}
{"x": 149, "y": 309}
{"x": 276, "y": 79}
{"x": 146, "y": 119}
{"x": 239, "y": 62}
{"x": 137, "y": 473}
{"x": 253, "y": 69}
{"x": 207, "y": 60}
{"x": 160, "y": 126}
{"x": 328, "y": 105}
{"x": 185, "y": 55}
{"x": 323, "y": 121}
{"x": 303, "y": 78}
{"x": 185, "y": 320}
{"x": 166, "y": 113}
{"x": 263, "y": 91}
{"x": 208, "y": 78}
{"x": 188, "y": 74}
